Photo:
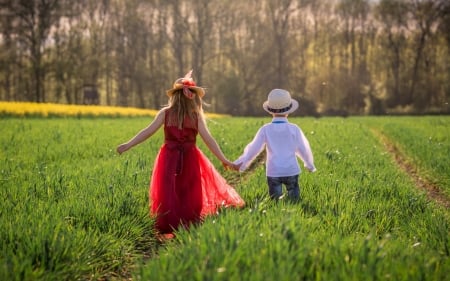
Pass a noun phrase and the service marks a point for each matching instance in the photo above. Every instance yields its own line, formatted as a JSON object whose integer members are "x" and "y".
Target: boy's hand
{"x": 238, "y": 165}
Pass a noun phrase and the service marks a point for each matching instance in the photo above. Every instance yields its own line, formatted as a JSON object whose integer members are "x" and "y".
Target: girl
{"x": 184, "y": 186}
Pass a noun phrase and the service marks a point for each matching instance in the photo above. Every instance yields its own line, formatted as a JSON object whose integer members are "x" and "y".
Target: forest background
{"x": 337, "y": 57}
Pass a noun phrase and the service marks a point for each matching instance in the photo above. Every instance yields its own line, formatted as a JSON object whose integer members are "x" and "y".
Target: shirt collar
{"x": 279, "y": 120}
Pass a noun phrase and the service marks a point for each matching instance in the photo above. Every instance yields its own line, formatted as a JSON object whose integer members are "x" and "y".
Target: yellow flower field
{"x": 29, "y": 109}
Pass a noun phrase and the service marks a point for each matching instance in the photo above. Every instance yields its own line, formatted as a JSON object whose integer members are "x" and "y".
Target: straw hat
{"x": 188, "y": 86}
{"x": 280, "y": 102}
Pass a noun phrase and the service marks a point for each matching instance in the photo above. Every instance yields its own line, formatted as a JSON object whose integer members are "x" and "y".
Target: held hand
{"x": 237, "y": 166}
{"x": 230, "y": 165}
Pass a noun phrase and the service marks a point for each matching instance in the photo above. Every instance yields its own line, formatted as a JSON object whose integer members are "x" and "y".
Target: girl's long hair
{"x": 180, "y": 107}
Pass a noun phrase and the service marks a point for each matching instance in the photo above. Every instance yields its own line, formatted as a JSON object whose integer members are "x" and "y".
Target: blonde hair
{"x": 182, "y": 107}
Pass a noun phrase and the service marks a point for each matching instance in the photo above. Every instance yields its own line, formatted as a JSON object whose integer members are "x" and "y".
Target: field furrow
{"x": 434, "y": 192}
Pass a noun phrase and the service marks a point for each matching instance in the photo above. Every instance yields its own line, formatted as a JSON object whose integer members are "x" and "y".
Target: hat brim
{"x": 292, "y": 109}
{"x": 198, "y": 90}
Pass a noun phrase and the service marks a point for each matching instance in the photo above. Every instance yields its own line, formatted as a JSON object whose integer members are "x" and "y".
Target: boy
{"x": 283, "y": 141}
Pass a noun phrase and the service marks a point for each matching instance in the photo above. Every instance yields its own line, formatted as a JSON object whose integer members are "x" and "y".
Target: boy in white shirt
{"x": 284, "y": 142}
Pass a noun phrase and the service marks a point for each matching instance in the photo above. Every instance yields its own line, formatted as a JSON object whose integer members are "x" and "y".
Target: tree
{"x": 280, "y": 13}
{"x": 425, "y": 15}
{"x": 337, "y": 57}
{"x": 393, "y": 16}
{"x": 32, "y": 21}
{"x": 354, "y": 15}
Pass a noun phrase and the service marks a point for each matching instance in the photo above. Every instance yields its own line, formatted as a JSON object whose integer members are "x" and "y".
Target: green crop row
{"x": 425, "y": 141}
{"x": 74, "y": 210}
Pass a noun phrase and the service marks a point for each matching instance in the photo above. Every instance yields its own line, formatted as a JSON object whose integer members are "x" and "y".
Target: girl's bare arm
{"x": 144, "y": 133}
{"x": 212, "y": 144}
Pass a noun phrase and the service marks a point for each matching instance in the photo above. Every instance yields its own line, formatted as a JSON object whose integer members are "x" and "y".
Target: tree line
{"x": 335, "y": 56}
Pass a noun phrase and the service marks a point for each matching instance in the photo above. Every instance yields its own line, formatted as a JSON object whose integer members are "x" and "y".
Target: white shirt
{"x": 284, "y": 142}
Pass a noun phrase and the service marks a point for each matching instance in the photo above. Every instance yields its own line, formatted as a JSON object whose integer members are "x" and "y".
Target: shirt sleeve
{"x": 251, "y": 150}
{"x": 303, "y": 151}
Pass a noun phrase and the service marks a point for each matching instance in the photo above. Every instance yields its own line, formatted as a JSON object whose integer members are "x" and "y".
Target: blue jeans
{"x": 276, "y": 187}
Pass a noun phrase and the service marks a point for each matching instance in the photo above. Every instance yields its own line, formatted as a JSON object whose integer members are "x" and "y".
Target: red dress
{"x": 185, "y": 186}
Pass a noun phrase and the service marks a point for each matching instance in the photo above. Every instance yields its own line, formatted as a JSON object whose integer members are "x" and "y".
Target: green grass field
{"x": 73, "y": 209}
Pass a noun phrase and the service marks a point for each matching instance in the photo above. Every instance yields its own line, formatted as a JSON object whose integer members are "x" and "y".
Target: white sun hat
{"x": 280, "y": 102}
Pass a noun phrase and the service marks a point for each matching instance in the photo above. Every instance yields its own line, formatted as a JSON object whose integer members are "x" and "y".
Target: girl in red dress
{"x": 184, "y": 186}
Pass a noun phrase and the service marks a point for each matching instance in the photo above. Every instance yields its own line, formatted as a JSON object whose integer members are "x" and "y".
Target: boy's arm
{"x": 305, "y": 153}
{"x": 251, "y": 151}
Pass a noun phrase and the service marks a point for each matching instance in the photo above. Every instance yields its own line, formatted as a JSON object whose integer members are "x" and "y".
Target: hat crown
{"x": 279, "y": 99}
{"x": 187, "y": 85}
{"x": 177, "y": 82}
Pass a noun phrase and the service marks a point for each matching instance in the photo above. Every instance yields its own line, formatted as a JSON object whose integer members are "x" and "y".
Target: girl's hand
{"x": 230, "y": 165}
{"x": 122, "y": 148}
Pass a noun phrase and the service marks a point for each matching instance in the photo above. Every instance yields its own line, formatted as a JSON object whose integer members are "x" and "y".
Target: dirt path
{"x": 433, "y": 191}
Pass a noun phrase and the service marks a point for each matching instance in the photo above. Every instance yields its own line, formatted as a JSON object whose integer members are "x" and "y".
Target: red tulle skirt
{"x": 185, "y": 187}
